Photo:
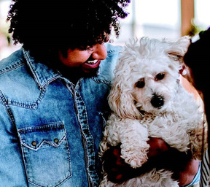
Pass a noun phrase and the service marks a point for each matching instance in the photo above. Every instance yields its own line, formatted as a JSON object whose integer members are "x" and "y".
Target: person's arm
{"x": 160, "y": 155}
{"x": 12, "y": 172}
{"x": 186, "y": 169}
{"x": 191, "y": 173}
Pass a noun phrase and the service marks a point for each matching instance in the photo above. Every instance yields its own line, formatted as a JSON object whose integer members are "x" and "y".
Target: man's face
{"x": 87, "y": 60}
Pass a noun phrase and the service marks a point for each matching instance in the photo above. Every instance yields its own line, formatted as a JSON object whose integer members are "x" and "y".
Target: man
{"x": 54, "y": 91}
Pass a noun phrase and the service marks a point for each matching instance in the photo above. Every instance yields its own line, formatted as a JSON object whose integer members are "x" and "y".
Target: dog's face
{"x": 154, "y": 83}
{"x": 147, "y": 76}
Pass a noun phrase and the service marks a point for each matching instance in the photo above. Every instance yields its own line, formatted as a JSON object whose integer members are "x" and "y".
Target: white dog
{"x": 148, "y": 100}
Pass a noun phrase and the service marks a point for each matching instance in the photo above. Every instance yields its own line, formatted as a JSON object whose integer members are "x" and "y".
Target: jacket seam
{"x": 98, "y": 80}
{"x": 36, "y": 77}
{"x": 8, "y": 109}
{"x": 28, "y": 105}
{"x": 25, "y": 145}
{"x": 11, "y": 67}
{"x": 32, "y": 70}
{"x": 87, "y": 137}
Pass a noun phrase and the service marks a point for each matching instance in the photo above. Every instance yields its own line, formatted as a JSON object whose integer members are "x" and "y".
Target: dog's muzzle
{"x": 157, "y": 101}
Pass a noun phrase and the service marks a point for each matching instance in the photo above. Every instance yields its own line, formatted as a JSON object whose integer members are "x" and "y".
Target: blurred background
{"x": 153, "y": 18}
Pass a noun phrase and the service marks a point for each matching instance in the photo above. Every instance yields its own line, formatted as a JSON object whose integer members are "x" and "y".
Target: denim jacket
{"x": 50, "y": 129}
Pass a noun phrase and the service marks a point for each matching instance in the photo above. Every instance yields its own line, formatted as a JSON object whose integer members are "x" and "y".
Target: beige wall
{"x": 187, "y": 15}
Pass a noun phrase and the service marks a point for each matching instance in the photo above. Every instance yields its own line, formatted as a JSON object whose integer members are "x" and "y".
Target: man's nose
{"x": 99, "y": 52}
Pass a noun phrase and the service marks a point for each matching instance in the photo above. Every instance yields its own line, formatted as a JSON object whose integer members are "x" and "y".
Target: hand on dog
{"x": 119, "y": 171}
{"x": 160, "y": 156}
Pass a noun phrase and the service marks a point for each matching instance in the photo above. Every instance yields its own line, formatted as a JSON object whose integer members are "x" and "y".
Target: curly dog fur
{"x": 148, "y": 100}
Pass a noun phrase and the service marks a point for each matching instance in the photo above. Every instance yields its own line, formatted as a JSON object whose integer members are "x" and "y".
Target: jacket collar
{"x": 42, "y": 72}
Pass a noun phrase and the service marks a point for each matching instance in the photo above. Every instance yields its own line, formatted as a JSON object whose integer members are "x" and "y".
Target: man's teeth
{"x": 92, "y": 61}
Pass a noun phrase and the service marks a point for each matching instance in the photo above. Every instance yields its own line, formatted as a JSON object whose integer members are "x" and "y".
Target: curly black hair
{"x": 46, "y": 26}
{"x": 198, "y": 59}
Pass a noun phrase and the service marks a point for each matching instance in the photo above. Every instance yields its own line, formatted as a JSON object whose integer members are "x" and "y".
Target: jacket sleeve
{"x": 12, "y": 172}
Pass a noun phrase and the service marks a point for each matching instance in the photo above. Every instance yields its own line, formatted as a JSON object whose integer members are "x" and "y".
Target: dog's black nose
{"x": 157, "y": 101}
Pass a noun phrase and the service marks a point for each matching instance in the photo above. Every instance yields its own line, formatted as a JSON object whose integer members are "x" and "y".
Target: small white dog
{"x": 148, "y": 100}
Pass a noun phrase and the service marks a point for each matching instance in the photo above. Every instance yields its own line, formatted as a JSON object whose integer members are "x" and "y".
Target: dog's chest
{"x": 161, "y": 122}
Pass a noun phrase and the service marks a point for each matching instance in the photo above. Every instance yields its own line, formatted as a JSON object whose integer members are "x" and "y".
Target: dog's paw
{"x": 134, "y": 160}
{"x": 137, "y": 162}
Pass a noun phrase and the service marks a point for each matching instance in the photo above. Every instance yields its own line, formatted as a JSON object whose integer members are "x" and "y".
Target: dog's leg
{"x": 172, "y": 132}
{"x": 111, "y": 133}
{"x": 134, "y": 147}
{"x": 133, "y": 138}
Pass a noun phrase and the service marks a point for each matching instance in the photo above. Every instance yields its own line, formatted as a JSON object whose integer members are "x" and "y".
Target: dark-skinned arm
{"x": 160, "y": 156}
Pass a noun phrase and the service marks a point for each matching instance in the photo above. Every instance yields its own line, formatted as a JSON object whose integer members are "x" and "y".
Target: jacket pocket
{"x": 46, "y": 154}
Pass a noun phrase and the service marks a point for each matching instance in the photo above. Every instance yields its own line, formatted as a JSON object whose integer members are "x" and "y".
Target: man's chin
{"x": 90, "y": 72}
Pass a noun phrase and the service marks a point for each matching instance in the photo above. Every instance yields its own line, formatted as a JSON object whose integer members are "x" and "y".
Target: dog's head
{"x": 147, "y": 76}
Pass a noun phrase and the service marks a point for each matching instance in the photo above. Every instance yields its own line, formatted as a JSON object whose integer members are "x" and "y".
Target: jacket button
{"x": 56, "y": 140}
{"x": 34, "y": 143}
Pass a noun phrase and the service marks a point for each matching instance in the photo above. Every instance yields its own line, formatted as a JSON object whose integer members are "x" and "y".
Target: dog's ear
{"x": 122, "y": 102}
{"x": 177, "y": 50}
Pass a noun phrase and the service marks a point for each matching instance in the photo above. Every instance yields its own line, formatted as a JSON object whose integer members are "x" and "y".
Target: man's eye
{"x": 84, "y": 48}
{"x": 89, "y": 48}
{"x": 140, "y": 83}
{"x": 159, "y": 76}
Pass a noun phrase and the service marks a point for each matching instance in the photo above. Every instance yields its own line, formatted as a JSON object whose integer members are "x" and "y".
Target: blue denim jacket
{"x": 50, "y": 129}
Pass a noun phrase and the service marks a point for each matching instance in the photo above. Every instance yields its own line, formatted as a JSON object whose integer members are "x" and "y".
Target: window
{"x": 152, "y": 18}
{"x": 202, "y": 13}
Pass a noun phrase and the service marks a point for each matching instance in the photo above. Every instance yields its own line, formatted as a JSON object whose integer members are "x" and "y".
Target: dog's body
{"x": 148, "y": 100}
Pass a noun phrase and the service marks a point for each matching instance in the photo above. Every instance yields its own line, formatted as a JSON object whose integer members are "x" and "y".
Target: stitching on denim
{"x": 54, "y": 186}
{"x": 8, "y": 109}
{"x": 23, "y": 105}
{"x": 52, "y": 126}
{"x": 45, "y": 142}
{"x": 41, "y": 96}
{"x": 68, "y": 84}
{"x": 62, "y": 181}
{"x": 28, "y": 105}
{"x": 98, "y": 80}
{"x": 49, "y": 81}
{"x": 49, "y": 126}
{"x": 33, "y": 71}
{"x": 37, "y": 79}
{"x": 11, "y": 67}
{"x": 87, "y": 137}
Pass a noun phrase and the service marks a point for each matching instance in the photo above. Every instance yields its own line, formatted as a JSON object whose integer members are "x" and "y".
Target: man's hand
{"x": 119, "y": 171}
{"x": 160, "y": 156}
{"x": 116, "y": 168}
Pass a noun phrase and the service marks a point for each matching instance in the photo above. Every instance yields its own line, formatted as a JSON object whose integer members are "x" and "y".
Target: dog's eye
{"x": 140, "y": 84}
{"x": 159, "y": 76}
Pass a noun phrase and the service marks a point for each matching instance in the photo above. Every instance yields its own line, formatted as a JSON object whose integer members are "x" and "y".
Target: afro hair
{"x": 46, "y": 26}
